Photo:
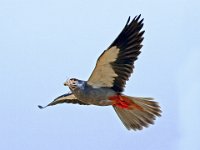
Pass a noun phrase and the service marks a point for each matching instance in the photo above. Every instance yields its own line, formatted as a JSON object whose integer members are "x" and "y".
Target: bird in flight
{"x": 106, "y": 84}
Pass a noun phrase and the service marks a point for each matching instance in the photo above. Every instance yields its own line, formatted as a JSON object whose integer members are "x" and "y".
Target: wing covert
{"x": 115, "y": 65}
{"x": 65, "y": 98}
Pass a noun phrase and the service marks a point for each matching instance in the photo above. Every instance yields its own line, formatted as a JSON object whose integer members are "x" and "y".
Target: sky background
{"x": 43, "y": 42}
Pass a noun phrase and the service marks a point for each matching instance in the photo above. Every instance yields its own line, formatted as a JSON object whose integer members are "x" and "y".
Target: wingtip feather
{"x": 41, "y": 107}
{"x": 129, "y": 18}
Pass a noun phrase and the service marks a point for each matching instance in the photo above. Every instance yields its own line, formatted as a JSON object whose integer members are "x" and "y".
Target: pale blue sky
{"x": 42, "y": 42}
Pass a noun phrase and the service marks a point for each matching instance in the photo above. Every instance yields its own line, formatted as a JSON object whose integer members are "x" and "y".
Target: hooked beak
{"x": 66, "y": 83}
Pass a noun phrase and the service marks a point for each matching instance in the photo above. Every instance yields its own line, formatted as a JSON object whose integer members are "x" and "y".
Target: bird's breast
{"x": 95, "y": 96}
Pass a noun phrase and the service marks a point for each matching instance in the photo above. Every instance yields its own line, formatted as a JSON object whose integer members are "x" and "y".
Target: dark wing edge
{"x": 129, "y": 42}
{"x": 65, "y": 98}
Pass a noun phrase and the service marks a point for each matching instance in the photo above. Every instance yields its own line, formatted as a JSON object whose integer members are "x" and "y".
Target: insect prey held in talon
{"x": 106, "y": 84}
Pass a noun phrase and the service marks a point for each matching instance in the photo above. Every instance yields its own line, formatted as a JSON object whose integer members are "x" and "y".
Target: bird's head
{"x": 73, "y": 83}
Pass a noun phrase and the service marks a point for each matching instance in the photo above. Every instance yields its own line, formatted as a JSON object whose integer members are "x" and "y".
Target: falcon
{"x": 106, "y": 84}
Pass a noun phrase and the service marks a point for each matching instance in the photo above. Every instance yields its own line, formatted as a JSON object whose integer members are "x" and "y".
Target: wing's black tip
{"x": 128, "y": 20}
{"x": 41, "y": 107}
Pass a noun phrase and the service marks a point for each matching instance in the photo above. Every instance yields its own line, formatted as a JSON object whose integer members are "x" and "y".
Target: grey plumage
{"x": 107, "y": 81}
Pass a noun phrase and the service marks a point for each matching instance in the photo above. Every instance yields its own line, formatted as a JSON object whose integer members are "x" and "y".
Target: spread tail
{"x": 135, "y": 112}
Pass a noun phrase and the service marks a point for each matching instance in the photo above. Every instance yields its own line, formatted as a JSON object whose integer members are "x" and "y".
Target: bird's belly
{"x": 95, "y": 96}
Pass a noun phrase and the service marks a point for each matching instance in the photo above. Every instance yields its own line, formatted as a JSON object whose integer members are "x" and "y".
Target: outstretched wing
{"x": 65, "y": 98}
{"x": 115, "y": 65}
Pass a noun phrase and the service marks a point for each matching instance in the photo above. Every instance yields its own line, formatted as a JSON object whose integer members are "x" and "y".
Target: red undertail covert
{"x": 123, "y": 102}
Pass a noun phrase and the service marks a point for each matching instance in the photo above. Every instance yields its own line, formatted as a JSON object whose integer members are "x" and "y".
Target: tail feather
{"x": 138, "y": 117}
